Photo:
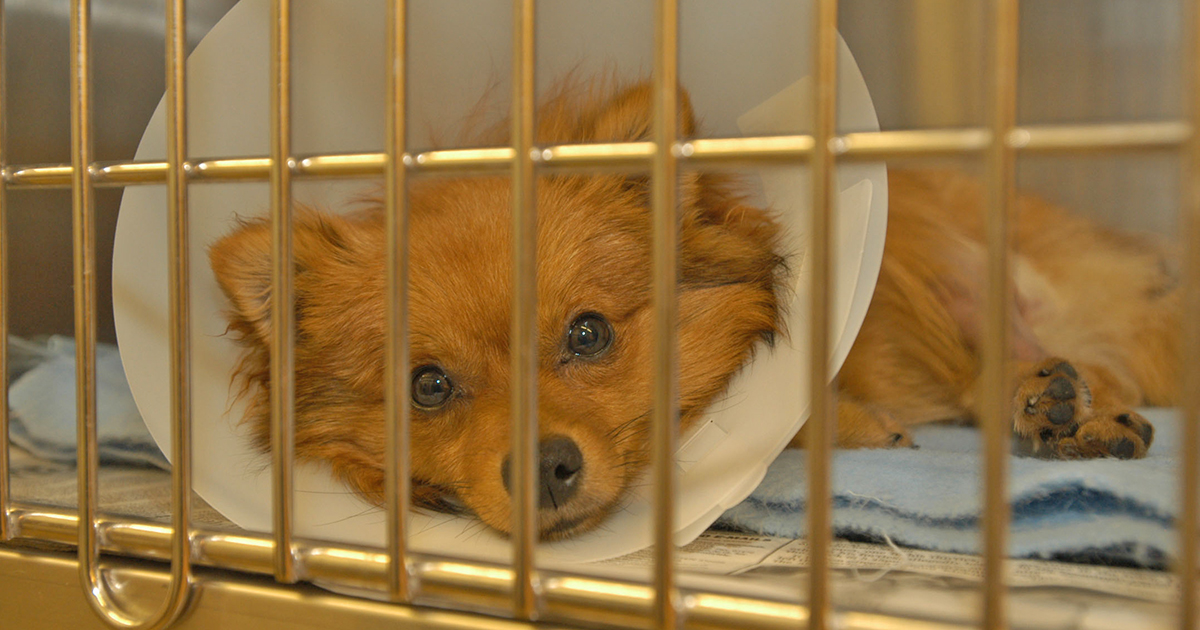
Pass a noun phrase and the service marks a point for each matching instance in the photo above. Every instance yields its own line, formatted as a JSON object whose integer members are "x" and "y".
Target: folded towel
{"x": 42, "y": 404}
{"x": 1103, "y": 510}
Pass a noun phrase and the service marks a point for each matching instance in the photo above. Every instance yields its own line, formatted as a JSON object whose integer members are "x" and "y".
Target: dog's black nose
{"x": 559, "y": 463}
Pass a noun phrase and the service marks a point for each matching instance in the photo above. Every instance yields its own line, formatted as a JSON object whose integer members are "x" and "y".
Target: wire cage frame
{"x": 527, "y": 592}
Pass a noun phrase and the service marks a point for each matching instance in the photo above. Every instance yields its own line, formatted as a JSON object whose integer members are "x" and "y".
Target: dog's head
{"x": 593, "y": 317}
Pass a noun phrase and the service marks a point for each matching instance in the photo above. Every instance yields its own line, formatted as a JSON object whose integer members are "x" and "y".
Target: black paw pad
{"x": 1065, "y": 368}
{"x": 1061, "y": 389}
{"x": 1061, "y": 413}
{"x": 1123, "y": 448}
{"x": 1147, "y": 434}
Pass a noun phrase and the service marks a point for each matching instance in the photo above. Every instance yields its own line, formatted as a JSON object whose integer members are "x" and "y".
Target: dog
{"x": 1094, "y": 326}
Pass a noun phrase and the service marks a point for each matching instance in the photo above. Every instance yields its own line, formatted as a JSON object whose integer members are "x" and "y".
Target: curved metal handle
{"x": 97, "y": 591}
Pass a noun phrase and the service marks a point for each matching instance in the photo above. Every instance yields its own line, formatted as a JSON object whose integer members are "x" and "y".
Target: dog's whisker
{"x": 625, "y": 425}
{"x": 351, "y": 517}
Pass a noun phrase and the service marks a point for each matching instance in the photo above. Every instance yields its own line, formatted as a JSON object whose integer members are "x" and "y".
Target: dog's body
{"x": 1101, "y": 301}
{"x": 1094, "y": 328}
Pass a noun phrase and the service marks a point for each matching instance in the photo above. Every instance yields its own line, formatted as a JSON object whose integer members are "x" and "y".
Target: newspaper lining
{"x": 751, "y": 555}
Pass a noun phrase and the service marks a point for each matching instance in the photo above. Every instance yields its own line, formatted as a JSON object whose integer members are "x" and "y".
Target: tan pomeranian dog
{"x": 1105, "y": 303}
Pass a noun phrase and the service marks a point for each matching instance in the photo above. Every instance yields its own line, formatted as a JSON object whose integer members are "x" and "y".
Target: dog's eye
{"x": 431, "y": 388}
{"x": 589, "y": 335}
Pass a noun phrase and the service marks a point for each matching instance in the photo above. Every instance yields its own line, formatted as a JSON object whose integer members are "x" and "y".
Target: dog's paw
{"x": 862, "y": 426}
{"x": 1053, "y": 417}
{"x": 1115, "y": 432}
{"x": 1051, "y": 401}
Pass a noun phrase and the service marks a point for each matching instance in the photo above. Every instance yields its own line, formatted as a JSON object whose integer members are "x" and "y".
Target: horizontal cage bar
{"x": 597, "y": 599}
{"x": 865, "y": 146}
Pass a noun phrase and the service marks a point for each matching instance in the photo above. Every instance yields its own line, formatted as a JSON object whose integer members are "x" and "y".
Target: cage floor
{"x": 867, "y": 577}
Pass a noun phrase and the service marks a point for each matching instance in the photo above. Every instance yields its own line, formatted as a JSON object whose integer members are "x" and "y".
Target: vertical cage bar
{"x": 995, "y": 414}
{"x": 396, "y": 393}
{"x": 180, "y": 312}
{"x": 5, "y": 530}
{"x": 1189, "y": 384}
{"x": 665, "y": 358}
{"x": 824, "y": 174}
{"x": 283, "y": 320}
{"x": 84, "y": 245}
{"x": 524, "y": 314}
{"x": 96, "y": 589}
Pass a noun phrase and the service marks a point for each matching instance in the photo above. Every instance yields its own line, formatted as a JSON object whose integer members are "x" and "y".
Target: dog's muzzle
{"x": 560, "y": 466}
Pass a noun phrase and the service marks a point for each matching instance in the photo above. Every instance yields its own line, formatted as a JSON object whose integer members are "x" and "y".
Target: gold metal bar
{"x": 347, "y": 165}
{"x": 236, "y": 602}
{"x": 469, "y": 583}
{"x": 821, "y": 421}
{"x": 40, "y": 587}
{"x": 464, "y": 160}
{"x": 632, "y": 154}
{"x": 1124, "y": 137}
{"x": 523, "y": 348}
{"x": 396, "y": 393}
{"x": 598, "y": 600}
{"x": 665, "y": 384}
{"x": 47, "y": 176}
{"x": 283, "y": 319}
{"x": 861, "y": 146}
{"x": 767, "y": 149}
{"x": 179, "y": 293}
{"x": 232, "y": 169}
{"x": 1189, "y": 383}
{"x": 122, "y": 173}
{"x": 878, "y": 145}
{"x": 97, "y": 591}
{"x": 995, "y": 413}
{"x": 84, "y": 249}
{"x": 5, "y": 529}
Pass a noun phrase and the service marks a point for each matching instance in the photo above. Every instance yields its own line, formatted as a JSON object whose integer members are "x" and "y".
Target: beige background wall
{"x": 1081, "y": 61}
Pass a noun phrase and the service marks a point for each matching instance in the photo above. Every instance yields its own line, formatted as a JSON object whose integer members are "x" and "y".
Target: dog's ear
{"x": 628, "y": 116}
{"x": 241, "y": 262}
{"x": 722, "y": 240}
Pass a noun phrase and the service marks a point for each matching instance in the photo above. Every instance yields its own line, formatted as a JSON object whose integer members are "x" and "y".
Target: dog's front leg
{"x": 861, "y": 426}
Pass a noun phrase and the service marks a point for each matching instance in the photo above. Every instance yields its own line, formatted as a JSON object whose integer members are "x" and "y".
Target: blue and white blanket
{"x": 1105, "y": 510}
{"x": 42, "y": 403}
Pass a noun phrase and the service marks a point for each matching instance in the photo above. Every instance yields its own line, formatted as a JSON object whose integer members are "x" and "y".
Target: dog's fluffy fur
{"x": 1094, "y": 327}
{"x": 1102, "y": 301}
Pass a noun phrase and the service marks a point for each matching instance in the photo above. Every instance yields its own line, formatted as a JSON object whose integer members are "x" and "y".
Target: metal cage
{"x": 127, "y": 592}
